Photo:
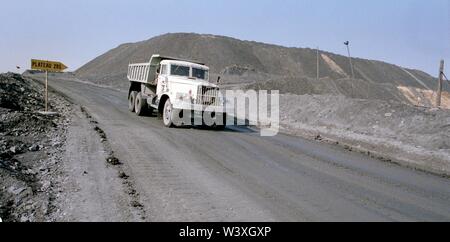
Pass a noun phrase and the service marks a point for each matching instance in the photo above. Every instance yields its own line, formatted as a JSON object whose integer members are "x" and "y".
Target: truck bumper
{"x": 199, "y": 108}
{"x": 191, "y": 114}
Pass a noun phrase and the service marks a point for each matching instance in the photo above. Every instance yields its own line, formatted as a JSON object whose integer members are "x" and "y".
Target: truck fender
{"x": 134, "y": 86}
{"x": 162, "y": 101}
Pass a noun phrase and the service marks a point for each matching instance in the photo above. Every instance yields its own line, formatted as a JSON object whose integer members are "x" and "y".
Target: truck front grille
{"x": 208, "y": 96}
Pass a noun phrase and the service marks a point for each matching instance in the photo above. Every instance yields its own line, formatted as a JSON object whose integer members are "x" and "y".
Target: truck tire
{"x": 131, "y": 101}
{"x": 168, "y": 114}
{"x": 140, "y": 105}
{"x": 223, "y": 125}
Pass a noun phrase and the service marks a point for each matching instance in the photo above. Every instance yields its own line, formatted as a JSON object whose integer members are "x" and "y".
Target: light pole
{"x": 347, "y": 43}
{"x": 317, "y": 57}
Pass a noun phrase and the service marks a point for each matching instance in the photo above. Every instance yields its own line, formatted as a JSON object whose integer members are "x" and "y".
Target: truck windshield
{"x": 179, "y": 70}
{"x": 200, "y": 73}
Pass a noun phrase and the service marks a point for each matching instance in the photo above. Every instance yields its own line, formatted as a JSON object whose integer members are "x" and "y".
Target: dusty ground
{"x": 425, "y": 98}
{"x": 414, "y": 136}
{"x": 97, "y": 187}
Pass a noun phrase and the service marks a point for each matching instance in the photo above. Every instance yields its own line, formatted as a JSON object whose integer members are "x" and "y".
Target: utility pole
{"x": 440, "y": 81}
{"x": 318, "y": 74}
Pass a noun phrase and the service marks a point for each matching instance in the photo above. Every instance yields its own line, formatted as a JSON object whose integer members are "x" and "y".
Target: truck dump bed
{"x": 146, "y": 72}
{"x": 140, "y": 72}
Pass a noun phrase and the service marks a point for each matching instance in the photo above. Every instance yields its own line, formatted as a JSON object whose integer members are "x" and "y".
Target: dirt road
{"x": 236, "y": 175}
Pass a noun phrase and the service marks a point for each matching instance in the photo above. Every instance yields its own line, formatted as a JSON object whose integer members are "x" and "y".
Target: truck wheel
{"x": 168, "y": 114}
{"x": 140, "y": 105}
{"x": 131, "y": 100}
{"x": 223, "y": 125}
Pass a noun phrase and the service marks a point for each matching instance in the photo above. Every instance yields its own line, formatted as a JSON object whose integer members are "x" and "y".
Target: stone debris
{"x": 29, "y": 146}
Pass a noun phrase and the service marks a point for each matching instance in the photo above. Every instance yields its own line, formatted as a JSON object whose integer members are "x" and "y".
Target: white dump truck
{"x": 177, "y": 89}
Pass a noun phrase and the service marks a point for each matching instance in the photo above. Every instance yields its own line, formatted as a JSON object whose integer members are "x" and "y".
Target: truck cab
{"x": 175, "y": 88}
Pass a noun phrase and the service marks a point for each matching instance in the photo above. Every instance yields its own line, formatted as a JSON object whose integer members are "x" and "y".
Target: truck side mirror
{"x": 218, "y": 79}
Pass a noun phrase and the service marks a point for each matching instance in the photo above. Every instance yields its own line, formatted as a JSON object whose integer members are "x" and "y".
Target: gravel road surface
{"x": 235, "y": 175}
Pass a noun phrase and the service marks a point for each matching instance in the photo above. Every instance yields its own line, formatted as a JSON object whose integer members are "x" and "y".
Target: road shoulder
{"x": 94, "y": 189}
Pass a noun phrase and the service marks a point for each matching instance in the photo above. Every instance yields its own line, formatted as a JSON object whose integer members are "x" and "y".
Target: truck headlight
{"x": 187, "y": 97}
{"x": 181, "y": 96}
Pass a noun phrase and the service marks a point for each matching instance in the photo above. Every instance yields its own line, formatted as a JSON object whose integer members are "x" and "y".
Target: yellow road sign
{"x": 43, "y": 65}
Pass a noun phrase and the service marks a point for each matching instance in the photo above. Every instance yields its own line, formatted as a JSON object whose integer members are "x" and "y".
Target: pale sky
{"x": 410, "y": 33}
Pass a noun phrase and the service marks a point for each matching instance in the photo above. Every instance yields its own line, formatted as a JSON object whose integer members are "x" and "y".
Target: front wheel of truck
{"x": 221, "y": 125}
{"x": 168, "y": 114}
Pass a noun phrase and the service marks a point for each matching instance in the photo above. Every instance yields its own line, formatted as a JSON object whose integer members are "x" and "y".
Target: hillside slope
{"x": 259, "y": 65}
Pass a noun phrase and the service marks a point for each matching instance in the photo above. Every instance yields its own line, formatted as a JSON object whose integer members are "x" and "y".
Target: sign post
{"x": 46, "y": 91}
{"x": 44, "y": 65}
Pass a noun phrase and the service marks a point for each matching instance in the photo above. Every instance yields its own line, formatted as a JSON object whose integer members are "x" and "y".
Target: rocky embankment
{"x": 30, "y": 144}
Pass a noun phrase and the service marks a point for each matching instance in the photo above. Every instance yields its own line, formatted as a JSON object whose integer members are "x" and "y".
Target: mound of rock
{"x": 28, "y": 142}
{"x": 17, "y": 93}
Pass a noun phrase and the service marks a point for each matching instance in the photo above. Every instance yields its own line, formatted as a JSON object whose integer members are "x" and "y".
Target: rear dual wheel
{"x": 137, "y": 104}
{"x": 131, "y": 101}
{"x": 140, "y": 105}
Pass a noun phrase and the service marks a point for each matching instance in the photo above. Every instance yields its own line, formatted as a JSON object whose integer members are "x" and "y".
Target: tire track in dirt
{"x": 113, "y": 161}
